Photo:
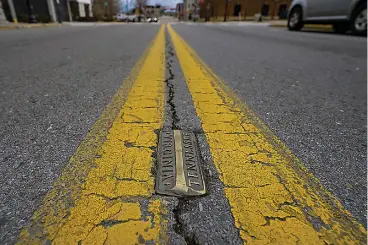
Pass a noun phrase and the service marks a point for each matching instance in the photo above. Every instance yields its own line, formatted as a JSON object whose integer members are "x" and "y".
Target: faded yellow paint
{"x": 273, "y": 198}
{"x": 115, "y": 203}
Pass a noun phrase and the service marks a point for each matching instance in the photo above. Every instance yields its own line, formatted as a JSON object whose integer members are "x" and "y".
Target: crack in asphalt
{"x": 170, "y": 85}
{"x": 269, "y": 218}
{"x": 154, "y": 156}
{"x": 112, "y": 222}
{"x": 178, "y": 226}
{"x": 313, "y": 219}
{"x": 193, "y": 219}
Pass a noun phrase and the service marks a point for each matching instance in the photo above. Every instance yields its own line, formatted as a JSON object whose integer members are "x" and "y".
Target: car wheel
{"x": 359, "y": 20}
{"x": 340, "y": 27}
{"x": 295, "y": 20}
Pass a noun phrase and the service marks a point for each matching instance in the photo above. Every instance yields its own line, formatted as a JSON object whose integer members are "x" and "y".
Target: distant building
{"x": 276, "y": 9}
{"x": 49, "y": 10}
{"x": 153, "y": 10}
{"x": 190, "y": 9}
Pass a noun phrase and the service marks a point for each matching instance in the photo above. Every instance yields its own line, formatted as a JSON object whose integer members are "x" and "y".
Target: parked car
{"x": 141, "y": 18}
{"x": 344, "y": 15}
{"x": 152, "y": 19}
{"x": 121, "y": 17}
{"x": 132, "y": 18}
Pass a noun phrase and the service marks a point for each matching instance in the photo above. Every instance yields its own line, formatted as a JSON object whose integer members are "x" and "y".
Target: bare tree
{"x": 141, "y": 5}
{"x": 103, "y": 9}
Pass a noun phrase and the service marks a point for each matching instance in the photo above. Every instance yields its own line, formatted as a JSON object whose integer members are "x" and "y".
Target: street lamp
{"x": 31, "y": 16}
{"x": 225, "y": 14}
{"x": 58, "y": 11}
{"x": 260, "y": 14}
{"x": 208, "y": 11}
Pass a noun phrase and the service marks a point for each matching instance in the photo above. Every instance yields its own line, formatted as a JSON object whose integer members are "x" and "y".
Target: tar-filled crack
{"x": 178, "y": 226}
{"x": 169, "y": 84}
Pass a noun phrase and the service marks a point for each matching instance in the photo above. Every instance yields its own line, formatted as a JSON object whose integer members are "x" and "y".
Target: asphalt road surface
{"x": 308, "y": 88}
{"x": 55, "y": 83}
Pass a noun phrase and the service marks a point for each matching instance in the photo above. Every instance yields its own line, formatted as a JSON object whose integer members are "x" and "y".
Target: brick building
{"x": 244, "y": 9}
{"x": 153, "y": 10}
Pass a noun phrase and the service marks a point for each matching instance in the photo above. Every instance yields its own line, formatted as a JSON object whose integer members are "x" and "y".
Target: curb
{"x": 307, "y": 27}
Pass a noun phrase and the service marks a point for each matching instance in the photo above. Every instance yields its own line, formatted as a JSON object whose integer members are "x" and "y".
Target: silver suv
{"x": 344, "y": 15}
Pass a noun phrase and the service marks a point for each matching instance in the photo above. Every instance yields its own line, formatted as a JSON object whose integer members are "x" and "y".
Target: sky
{"x": 171, "y": 3}
{"x": 168, "y": 3}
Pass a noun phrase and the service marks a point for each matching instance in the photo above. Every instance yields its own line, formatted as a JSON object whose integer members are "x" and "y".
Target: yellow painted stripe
{"x": 114, "y": 204}
{"x": 273, "y": 198}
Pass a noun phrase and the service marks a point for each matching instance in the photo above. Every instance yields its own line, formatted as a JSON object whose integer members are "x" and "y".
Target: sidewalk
{"x": 10, "y": 26}
{"x": 266, "y": 22}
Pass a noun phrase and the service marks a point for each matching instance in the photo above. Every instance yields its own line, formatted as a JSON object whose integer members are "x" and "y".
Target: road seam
{"x": 193, "y": 215}
{"x": 273, "y": 198}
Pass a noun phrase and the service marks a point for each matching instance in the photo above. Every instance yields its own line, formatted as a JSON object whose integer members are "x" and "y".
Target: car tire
{"x": 340, "y": 28}
{"x": 358, "y": 23}
{"x": 295, "y": 20}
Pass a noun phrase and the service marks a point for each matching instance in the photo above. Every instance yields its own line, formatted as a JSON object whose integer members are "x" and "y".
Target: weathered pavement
{"x": 309, "y": 89}
{"x": 55, "y": 83}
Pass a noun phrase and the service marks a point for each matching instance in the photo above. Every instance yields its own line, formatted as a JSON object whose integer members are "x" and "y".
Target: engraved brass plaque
{"x": 179, "y": 171}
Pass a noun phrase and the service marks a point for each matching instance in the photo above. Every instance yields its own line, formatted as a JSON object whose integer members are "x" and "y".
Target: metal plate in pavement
{"x": 179, "y": 171}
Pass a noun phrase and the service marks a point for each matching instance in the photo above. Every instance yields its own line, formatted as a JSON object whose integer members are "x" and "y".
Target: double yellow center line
{"x": 273, "y": 198}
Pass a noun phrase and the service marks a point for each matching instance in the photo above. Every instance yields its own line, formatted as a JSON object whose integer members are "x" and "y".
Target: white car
{"x": 132, "y": 18}
{"x": 121, "y": 17}
{"x": 344, "y": 15}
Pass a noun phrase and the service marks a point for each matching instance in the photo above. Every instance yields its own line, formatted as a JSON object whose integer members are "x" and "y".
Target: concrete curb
{"x": 306, "y": 27}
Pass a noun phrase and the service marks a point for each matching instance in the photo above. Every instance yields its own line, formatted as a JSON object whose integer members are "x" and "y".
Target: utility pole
{"x": 58, "y": 11}
{"x": 106, "y": 5}
{"x": 12, "y": 11}
{"x": 225, "y": 14}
